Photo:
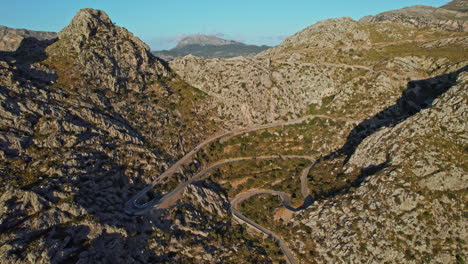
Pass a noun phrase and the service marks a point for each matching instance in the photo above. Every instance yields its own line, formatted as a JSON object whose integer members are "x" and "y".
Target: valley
{"x": 346, "y": 143}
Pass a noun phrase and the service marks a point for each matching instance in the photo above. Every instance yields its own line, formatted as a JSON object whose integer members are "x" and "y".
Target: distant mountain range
{"x": 209, "y": 47}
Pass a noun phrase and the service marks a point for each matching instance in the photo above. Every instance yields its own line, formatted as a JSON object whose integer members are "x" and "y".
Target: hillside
{"x": 209, "y": 47}
{"x": 204, "y": 40}
{"x": 337, "y": 60}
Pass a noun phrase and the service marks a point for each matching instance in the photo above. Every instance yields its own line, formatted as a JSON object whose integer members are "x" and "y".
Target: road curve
{"x": 132, "y": 206}
{"x": 286, "y": 201}
{"x": 167, "y": 200}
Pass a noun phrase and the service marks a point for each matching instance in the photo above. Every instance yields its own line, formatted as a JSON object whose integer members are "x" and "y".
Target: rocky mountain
{"x": 330, "y": 59}
{"x": 85, "y": 123}
{"x": 209, "y": 47}
{"x": 452, "y": 16}
{"x": 10, "y": 38}
{"x": 399, "y": 80}
{"x": 344, "y": 144}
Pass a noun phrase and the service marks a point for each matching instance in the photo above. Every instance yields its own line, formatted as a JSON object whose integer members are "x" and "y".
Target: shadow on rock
{"x": 327, "y": 177}
{"x": 419, "y": 95}
{"x": 25, "y": 58}
{"x": 116, "y": 237}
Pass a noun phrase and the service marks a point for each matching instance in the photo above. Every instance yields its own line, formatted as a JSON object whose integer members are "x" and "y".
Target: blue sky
{"x": 162, "y": 23}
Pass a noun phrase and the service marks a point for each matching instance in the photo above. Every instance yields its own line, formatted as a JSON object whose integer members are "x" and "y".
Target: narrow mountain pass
{"x": 168, "y": 200}
{"x": 132, "y": 206}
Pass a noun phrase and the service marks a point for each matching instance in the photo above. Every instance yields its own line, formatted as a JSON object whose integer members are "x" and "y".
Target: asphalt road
{"x": 133, "y": 207}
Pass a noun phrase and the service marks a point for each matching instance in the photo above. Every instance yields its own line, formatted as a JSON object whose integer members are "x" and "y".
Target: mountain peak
{"x": 111, "y": 53}
{"x": 204, "y": 40}
{"x": 86, "y": 22}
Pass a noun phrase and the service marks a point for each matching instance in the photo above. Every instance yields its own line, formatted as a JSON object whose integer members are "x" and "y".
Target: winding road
{"x": 286, "y": 201}
{"x": 132, "y": 206}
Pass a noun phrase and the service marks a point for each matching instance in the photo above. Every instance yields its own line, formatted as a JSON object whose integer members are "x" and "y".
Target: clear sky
{"x": 162, "y": 23}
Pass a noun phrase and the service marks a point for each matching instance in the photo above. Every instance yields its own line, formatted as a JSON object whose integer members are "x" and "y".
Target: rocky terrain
{"x": 370, "y": 116}
{"x": 11, "y": 38}
{"x": 411, "y": 209}
{"x": 206, "y": 46}
{"x": 84, "y": 126}
{"x": 452, "y": 16}
{"x": 341, "y": 68}
{"x": 337, "y": 60}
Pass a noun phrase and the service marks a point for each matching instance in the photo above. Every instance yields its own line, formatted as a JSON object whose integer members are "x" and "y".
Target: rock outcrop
{"x": 105, "y": 55}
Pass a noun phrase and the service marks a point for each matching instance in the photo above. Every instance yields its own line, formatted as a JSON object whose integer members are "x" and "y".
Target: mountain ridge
{"x": 452, "y": 16}
{"x": 207, "y": 46}
{"x": 199, "y": 39}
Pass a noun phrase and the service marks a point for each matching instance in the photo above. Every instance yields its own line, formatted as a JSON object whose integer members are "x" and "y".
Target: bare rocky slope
{"x": 337, "y": 60}
{"x": 85, "y": 123}
{"x": 411, "y": 208}
{"x": 457, "y": 5}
